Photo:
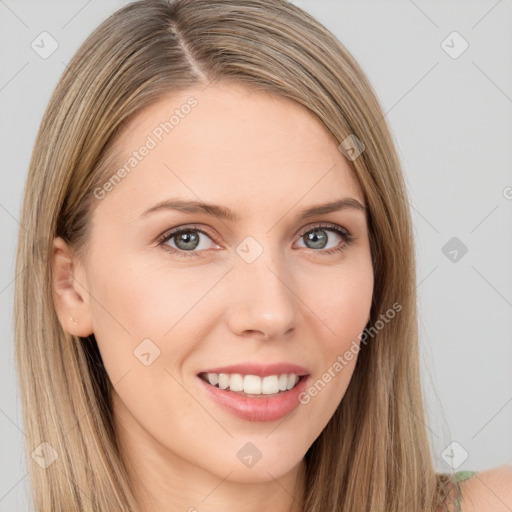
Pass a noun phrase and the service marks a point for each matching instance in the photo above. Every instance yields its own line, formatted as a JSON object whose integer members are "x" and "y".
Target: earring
{"x": 75, "y": 322}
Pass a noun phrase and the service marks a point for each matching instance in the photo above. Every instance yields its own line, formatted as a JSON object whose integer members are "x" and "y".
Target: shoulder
{"x": 488, "y": 491}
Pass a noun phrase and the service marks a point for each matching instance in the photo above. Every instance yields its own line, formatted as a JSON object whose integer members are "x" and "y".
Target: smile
{"x": 255, "y": 392}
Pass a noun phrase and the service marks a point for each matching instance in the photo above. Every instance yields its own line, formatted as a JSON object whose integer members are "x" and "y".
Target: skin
{"x": 487, "y": 491}
{"x": 267, "y": 159}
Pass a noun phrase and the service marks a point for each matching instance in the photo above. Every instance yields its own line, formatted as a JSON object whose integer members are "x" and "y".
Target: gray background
{"x": 452, "y": 123}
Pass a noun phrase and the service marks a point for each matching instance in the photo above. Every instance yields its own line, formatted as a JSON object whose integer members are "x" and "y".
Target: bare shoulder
{"x": 488, "y": 491}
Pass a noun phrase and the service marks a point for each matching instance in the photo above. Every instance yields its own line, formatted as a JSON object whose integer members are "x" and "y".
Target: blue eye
{"x": 187, "y": 239}
{"x": 317, "y": 237}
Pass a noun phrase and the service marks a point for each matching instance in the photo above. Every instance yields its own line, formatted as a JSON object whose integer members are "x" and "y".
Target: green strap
{"x": 460, "y": 476}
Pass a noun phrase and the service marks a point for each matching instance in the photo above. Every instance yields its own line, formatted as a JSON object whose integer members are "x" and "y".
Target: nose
{"x": 263, "y": 303}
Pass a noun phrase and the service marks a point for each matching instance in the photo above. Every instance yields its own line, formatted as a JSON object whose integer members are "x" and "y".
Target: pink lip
{"x": 262, "y": 370}
{"x": 259, "y": 408}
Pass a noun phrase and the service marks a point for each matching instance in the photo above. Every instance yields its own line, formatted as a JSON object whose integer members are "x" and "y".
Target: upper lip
{"x": 260, "y": 369}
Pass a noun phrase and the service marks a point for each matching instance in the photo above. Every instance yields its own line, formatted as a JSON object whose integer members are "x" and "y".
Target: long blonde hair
{"x": 374, "y": 453}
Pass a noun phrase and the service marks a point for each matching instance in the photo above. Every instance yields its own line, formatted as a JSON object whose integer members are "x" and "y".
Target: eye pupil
{"x": 189, "y": 237}
{"x": 319, "y": 240}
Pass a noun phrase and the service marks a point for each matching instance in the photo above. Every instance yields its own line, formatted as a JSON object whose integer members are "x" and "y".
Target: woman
{"x": 221, "y": 311}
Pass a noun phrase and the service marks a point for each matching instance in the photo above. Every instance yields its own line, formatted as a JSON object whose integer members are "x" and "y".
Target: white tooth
{"x": 236, "y": 382}
{"x": 213, "y": 378}
{"x": 283, "y": 381}
{"x": 252, "y": 384}
{"x": 223, "y": 380}
{"x": 269, "y": 385}
{"x": 291, "y": 381}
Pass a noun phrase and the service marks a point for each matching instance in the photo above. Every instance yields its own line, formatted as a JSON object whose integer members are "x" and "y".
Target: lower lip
{"x": 258, "y": 408}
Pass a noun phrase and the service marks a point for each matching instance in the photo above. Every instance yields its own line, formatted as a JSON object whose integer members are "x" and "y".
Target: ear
{"x": 70, "y": 296}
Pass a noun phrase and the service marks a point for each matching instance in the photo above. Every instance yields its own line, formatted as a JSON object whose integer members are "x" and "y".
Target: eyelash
{"x": 345, "y": 235}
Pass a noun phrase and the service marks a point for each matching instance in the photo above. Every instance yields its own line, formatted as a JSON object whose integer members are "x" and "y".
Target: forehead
{"x": 228, "y": 144}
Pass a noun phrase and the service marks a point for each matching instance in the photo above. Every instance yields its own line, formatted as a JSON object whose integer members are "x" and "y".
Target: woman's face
{"x": 266, "y": 288}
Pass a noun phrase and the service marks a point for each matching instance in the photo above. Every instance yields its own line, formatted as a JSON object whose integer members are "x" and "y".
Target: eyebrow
{"x": 221, "y": 212}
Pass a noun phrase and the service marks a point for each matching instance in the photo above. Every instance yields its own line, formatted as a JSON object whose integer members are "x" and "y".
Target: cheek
{"x": 342, "y": 304}
{"x": 127, "y": 310}
{"x": 140, "y": 321}
{"x": 342, "y": 301}
{"x": 140, "y": 309}
{"x": 143, "y": 299}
